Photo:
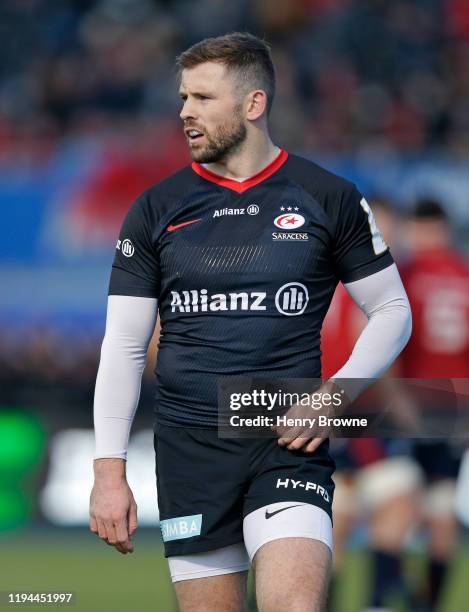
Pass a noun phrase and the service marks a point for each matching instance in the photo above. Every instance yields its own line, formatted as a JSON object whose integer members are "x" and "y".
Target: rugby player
{"x": 437, "y": 281}
{"x": 375, "y": 478}
{"x": 240, "y": 253}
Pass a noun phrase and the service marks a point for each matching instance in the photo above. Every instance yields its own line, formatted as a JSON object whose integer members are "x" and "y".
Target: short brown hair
{"x": 238, "y": 51}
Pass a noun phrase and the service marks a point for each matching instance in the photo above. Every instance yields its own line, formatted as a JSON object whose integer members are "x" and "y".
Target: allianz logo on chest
{"x": 252, "y": 209}
{"x": 290, "y": 300}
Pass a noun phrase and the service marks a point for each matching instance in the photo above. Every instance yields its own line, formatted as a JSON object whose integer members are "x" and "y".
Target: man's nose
{"x": 187, "y": 111}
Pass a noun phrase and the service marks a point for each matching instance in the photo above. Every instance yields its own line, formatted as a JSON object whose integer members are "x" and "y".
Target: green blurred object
{"x": 22, "y": 442}
{"x": 14, "y": 507}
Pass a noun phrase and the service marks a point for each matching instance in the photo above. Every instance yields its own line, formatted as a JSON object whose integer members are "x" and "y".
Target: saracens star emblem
{"x": 289, "y": 221}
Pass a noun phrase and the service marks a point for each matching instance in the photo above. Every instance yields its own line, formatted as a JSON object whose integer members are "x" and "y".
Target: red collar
{"x": 241, "y": 186}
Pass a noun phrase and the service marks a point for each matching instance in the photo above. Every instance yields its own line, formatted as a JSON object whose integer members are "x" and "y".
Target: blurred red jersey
{"x": 342, "y": 326}
{"x": 437, "y": 283}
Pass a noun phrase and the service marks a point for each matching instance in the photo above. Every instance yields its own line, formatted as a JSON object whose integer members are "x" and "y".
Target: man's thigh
{"x": 288, "y": 528}
{"x": 225, "y": 593}
{"x": 292, "y": 574}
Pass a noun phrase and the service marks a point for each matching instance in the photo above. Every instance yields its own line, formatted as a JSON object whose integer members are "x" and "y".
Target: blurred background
{"x": 377, "y": 91}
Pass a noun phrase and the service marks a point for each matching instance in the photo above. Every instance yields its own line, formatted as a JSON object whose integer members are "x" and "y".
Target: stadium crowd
{"x": 352, "y": 75}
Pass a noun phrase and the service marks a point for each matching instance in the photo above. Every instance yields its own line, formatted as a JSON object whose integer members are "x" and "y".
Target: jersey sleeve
{"x": 135, "y": 270}
{"x": 359, "y": 248}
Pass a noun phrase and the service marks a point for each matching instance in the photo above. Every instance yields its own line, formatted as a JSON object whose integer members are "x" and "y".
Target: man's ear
{"x": 256, "y": 104}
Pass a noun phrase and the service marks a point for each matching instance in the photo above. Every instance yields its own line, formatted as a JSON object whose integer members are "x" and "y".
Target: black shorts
{"x": 353, "y": 454}
{"x": 438, "y": 459}
{"x": 207, "y": 485}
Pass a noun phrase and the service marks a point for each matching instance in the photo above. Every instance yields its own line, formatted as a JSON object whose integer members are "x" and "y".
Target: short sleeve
{"x": 135, "y": 270}
{"x": 359, "y": 248}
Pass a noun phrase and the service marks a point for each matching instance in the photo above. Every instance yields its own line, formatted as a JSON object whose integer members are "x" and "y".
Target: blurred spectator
{"x": 457, "y": 18}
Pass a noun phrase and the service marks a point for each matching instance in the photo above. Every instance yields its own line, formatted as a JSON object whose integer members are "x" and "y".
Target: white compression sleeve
{"x": 383, "y": 299}
{"x": 130, "y": 324}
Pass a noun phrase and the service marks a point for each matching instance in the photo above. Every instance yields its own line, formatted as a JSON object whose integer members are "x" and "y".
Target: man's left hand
{"x": 309, "y": 438}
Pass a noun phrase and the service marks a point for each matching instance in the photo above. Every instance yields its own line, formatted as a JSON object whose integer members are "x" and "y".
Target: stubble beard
{"x": 226, "y": 140}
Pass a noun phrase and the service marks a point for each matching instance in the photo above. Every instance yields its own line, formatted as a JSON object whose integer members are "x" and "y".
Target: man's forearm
{"x": 129, "y": 327}
{"x": 383, "y": 299}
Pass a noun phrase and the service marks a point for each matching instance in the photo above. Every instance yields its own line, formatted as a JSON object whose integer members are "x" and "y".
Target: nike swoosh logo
{"x": 269, "y": 515}
{"x": 171, "y": 228}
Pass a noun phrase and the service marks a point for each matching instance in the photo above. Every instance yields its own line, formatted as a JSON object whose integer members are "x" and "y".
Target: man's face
{"x": 428, "y": 234}
{"x": 212, "y": 112}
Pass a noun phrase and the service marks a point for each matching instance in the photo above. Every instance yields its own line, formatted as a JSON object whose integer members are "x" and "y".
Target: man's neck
{"x": 248, "y": 161}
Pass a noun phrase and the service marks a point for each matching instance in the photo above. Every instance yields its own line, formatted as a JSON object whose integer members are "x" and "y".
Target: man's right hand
{"x": 113, "y": 511}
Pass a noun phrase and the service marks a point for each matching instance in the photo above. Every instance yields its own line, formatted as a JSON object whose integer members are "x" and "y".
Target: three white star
{"x": 282, "y": 208}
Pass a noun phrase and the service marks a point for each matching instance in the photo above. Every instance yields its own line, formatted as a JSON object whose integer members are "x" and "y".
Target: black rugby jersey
{"x": 244, "y": 273}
